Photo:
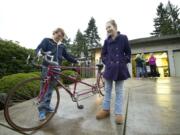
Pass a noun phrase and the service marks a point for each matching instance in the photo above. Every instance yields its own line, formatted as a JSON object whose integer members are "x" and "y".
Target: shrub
{"x": 69, "y": 73}
{"x": 28, "y": 91}
{"x": 13, "y": 58}
{"x": 66, "y": 63}
{"x": 8, "y": 82}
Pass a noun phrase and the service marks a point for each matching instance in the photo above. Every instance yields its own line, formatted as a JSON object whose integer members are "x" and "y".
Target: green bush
{"x": 26, "y": 92}
{"x": 8, "y": 82}
{"x": 66, "y": 63}
{"x": 13, "y": 58}
{"x": 29, "y": 90}
{"x": 69, "y": 73}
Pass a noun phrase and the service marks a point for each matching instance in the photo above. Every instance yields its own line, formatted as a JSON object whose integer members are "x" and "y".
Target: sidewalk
{"x": 153, "y": 109}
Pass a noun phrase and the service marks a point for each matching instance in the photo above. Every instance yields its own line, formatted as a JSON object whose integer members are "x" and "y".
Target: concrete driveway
{"x": 152, "y": 107}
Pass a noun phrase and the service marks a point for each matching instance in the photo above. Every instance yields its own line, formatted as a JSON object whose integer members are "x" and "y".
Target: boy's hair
{"x": 59, "y": 30}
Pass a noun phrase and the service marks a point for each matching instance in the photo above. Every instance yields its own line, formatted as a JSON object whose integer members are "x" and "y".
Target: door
{"x": 177, "y": 62}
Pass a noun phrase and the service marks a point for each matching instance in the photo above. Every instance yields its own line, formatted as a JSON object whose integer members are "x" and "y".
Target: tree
{"x": 91, "y": 34}
{"x": 173, "y": 12}
{"x": 167, "y": 21}
{"x": 161, "y": 22}
{"x": 79, "y": 45}
{"x": 67, "y": 43}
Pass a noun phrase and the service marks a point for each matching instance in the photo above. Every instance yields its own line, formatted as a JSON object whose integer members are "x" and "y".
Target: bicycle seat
{"x": 100, "y": 66}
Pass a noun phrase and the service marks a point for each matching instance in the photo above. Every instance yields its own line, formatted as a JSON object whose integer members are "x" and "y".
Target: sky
{"x": 29, "y": 21}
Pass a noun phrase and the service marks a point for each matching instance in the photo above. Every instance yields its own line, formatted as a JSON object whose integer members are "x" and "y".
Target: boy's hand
{"x": 78, "y": 62}
{"x": 39, "y": 54}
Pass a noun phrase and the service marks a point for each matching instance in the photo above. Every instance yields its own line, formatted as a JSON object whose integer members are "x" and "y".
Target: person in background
{"x": 116, "y": 53}
{"x": 139, "y": 66}
{"x": 144, "y": 69}
{"x": 152, "y": 64}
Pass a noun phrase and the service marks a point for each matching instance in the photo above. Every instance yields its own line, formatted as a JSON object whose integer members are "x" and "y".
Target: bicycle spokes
{"x": 22, "y": 106}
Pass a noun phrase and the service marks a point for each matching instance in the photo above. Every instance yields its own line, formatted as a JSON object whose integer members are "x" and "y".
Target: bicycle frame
{"x": 51, "y": 75}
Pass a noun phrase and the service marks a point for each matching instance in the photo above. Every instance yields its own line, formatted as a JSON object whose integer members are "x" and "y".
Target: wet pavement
{"x": 152, "y": 107}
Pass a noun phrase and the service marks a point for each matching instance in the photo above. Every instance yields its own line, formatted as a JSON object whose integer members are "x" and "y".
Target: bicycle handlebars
{"x": 47, "y": 56}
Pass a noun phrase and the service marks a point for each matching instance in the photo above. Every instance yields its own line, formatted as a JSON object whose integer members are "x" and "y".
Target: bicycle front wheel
{"x": 21, "y": 106}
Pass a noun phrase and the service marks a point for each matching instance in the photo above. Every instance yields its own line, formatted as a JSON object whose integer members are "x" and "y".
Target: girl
{"x": 116, "y": 53}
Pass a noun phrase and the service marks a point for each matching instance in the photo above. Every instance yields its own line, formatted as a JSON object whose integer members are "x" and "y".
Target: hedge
{"x": 8, "y": 82}
{"x": 30, "y": 90}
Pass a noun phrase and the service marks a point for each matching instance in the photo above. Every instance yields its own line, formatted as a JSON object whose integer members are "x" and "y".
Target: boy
{"x": 52, "y": 45}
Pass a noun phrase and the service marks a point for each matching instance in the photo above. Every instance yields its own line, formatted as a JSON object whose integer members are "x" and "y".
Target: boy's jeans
{"x": 119, "y": 96}
{"x": 45, "y": 103}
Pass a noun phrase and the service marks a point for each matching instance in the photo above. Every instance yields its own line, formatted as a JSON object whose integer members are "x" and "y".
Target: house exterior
{"x": 166, "y": 49}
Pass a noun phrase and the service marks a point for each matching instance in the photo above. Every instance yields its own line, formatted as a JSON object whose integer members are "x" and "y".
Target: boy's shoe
{"x": 102, "y": 114}
{"x": 119, "y": 119}
{"x": 42, "y": 115}
{"x": 50, "y": 110}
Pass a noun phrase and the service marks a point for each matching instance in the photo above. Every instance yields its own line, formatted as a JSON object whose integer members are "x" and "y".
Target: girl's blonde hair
{"x": 113, "y": 23}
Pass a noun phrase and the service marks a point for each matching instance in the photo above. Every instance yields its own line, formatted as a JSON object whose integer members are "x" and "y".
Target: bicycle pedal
{"x": 80, "y": 106}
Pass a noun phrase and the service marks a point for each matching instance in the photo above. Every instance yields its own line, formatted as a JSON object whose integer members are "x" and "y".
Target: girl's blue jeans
{"x": 118, "y": 97}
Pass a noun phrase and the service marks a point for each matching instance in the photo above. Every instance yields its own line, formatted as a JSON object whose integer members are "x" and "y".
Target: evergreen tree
{"x": 161, "y": 22}
{"x": 173, "y": 14}
{"x": 67, "y": 43}
{"x": 91, "y": 33}
{"x": 80, "y": 45}
{"x": 167, "y": 21}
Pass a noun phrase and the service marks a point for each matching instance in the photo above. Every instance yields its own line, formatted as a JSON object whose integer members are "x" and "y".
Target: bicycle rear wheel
{"x": 100, "y": 84}
{"x": 21, "y": 110}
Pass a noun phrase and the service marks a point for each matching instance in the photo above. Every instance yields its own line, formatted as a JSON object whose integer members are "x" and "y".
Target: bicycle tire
{"x": 100, "y": 84}
{"x": 12, "y": 95}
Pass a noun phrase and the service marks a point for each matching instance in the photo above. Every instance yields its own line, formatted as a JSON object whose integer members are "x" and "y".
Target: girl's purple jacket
{"x": 115, "y": 55}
